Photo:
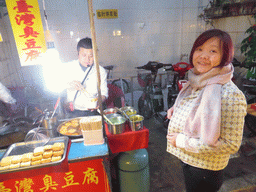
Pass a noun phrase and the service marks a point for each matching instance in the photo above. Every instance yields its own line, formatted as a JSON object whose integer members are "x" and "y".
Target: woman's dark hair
{"x": 85, "y": 43}
{"x": 227, "y": 45}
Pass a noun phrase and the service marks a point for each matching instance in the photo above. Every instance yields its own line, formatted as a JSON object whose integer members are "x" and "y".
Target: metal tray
{"x": 27, "y": 147}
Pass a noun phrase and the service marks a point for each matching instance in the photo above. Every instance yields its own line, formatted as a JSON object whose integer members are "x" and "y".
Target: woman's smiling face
{"x": 207, "y": 56}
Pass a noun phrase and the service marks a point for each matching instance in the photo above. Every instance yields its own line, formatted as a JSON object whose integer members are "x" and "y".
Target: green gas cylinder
{"x": 133, "y": 171}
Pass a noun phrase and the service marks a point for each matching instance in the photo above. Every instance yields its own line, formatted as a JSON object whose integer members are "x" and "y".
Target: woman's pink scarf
{"x": 205, "y": 117}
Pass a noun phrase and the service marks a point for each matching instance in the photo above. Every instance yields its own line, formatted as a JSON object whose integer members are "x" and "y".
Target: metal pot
{"x": 126, "y": 108}
{"x": 118, "y": 123}
{"x": 129, "y": 112}
{"x": 136, "y": 122}
{"x": 110, "y": 111}
{"x": 50, "y": 124}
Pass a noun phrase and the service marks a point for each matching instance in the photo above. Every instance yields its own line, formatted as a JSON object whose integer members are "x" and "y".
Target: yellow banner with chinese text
{"x": 27, "y": 29}
{"x": 107, "y": 13}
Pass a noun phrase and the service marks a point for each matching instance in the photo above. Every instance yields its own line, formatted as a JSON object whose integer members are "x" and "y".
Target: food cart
{"x": 80, "y": 168}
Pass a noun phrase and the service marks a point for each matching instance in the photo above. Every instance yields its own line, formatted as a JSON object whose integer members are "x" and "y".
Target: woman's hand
{"x": 170, "y": 112}
{"x": 172, "y": 138}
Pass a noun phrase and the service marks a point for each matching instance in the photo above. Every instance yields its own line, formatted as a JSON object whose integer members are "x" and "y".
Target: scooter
{"x": 151, "y": 101}
{"x": 174, "y": 87}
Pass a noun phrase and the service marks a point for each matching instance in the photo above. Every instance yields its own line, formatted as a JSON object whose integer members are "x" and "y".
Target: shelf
{"x": 231, "y": 10}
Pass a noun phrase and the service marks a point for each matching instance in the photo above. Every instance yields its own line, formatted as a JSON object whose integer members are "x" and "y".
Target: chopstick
{"x": 90, "y": 123}
{"x": 55, "y": 107}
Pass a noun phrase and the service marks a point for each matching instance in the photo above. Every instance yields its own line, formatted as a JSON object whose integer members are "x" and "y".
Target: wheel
{"x": 171, "y": 101}
{"x": 252, "y": 100}
{"x": 172, "y": 95}
{"x": 118, "y": 82}
{"x": 145, "y": 107}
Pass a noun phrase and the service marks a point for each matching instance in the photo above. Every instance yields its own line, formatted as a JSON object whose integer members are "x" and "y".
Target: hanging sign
{"x": 107, "y": 13}
{"x": 27, "y": 29}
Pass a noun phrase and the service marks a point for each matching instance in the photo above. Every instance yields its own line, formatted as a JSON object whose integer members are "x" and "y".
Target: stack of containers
{"x": 135, "y": 120}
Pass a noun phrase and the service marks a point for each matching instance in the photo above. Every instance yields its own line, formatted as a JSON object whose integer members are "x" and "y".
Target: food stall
{"x": 64, "y": 162}
{"x": 81, "y": 166}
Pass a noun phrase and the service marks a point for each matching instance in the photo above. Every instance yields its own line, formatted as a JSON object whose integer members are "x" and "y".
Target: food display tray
{"x": 27, "y": 147}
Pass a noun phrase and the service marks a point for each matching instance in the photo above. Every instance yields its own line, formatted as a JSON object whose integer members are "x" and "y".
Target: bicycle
{"x": 119, "y": 82}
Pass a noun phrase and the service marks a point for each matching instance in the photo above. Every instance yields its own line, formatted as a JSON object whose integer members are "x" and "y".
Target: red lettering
{"x": 22, "y": 6}
{"x": 31, "y": 44}
{"x": 29, "y": 31}
{"x": 27, "y": 18}
{"x": 33, "y": 54}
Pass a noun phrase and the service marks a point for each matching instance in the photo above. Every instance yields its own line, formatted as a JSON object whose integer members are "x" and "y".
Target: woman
{"x": 207, "y": 119}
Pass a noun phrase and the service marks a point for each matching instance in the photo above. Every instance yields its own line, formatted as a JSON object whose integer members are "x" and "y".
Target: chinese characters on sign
{"x": 27, "y": 29}
{"x": 27, "y": 184}
{"x": 81, "y": 176}
{"x": 107, "y": 14}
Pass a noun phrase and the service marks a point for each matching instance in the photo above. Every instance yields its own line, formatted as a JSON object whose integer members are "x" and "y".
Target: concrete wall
{"x": 236, "y": 27}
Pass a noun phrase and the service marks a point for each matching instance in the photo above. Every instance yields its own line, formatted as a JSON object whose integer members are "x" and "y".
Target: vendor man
{"x": 82, "y": 81}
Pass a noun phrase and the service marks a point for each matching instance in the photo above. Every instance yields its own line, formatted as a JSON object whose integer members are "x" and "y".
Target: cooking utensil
{"x": 7, "y": 129}
{"x": 67, "y": 121}
{"x": 50, "y": 124}
{"x": 118, "y": 123}
{"x": 105, "y": 117}
{"x": 35, "y": 135}
{"x": 55, "y": 107}
{"x": 136, "y": 122}
{"x": 110, "y": 111}
{"x": 129, "y": 112}
{"x": 18, "y": 126}
{"x": 126, "y": 108}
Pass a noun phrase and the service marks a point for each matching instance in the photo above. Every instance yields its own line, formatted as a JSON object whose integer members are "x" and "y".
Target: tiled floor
{"x": 166, "y": 173}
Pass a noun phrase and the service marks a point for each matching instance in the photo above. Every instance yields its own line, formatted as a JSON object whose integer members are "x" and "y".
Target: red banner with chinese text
{"x": 82, "y": 176}
{"x": 27, "y": 29}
